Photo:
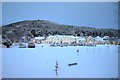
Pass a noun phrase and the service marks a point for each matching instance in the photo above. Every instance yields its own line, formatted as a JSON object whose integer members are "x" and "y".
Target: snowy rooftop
{"x": 74, "y": 37}
{"x": 98, "y": 38}
{"x": 61, "y": 36}
{"x": 39, "y": 37}
{"x": 105, "y": 37}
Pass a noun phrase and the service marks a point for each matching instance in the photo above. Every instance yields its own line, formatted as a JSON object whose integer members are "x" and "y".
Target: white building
{"x": 90, "y": 39}
{"x": 38, "y": 39}
{"x": 61, "y": 39}
{"x": 106, "y": 39}
{"x": 82, "y": 40}
{"x": 98, "y": 40}
{"x": 58, "y": 39}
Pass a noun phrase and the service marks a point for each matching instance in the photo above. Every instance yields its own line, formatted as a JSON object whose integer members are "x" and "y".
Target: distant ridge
{"x": 34, "y": 28}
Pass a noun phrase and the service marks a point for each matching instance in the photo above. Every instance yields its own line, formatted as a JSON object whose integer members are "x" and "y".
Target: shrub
{"x": 7, "y": 43}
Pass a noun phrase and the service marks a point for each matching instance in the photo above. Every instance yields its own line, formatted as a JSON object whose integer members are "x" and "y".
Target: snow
{"x": 98, "y": 38}
{"x": 93, "y": 62}
{"x": 106, "y": 37}
{"x": 39, "y": 37}
{"x": 62, "y": 36}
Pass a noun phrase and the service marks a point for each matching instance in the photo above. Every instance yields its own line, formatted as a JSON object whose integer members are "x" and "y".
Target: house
{"x": 82, "y": 40}
{"x": 25, "y": 39}
{"x": 106, "y": 40}
{"x": 98, "y": 40}
{"x": 115, "y": 41}
{"x": 118, "y": 41}
{"x": 90, "y": 40}
{"x": 38, "y": 39}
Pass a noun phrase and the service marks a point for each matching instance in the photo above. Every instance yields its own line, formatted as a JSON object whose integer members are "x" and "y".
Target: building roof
{"x": 62, "y": 36}
{"x": 40, "y": 37}
{"x": 98, "y": 38}
{"x": 90, "y": 37}
{"x": 106, "y": 37}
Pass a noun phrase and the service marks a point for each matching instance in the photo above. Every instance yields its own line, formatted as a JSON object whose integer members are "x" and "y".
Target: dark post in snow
{"x": 56, "y": 68}
{"x": 77, "y": 50}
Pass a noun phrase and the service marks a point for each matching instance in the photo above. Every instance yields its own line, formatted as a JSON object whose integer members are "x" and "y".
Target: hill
{"x": 33, "y": 28}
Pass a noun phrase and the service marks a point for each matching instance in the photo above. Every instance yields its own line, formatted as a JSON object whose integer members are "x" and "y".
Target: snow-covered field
{"x": 92, "y": 62}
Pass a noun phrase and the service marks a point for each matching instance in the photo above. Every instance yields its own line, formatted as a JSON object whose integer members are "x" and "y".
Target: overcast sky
{"x": 92, "y": 14}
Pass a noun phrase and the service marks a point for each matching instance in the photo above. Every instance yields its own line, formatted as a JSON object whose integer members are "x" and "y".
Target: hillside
{"x": 32, "y": 28}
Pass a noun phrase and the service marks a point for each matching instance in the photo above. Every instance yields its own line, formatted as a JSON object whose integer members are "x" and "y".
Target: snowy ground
{"x": 39, "y": 62}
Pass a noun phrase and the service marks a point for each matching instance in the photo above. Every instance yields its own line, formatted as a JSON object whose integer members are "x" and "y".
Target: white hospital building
{"x": 57, "y": 39}
{"x": 68, "y": 39}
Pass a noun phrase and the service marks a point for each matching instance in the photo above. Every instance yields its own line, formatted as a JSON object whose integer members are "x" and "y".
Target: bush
{"x": 7, "y": 43}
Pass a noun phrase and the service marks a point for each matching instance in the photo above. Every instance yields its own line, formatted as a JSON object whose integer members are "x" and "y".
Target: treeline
{"x": 34, "y": 28}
